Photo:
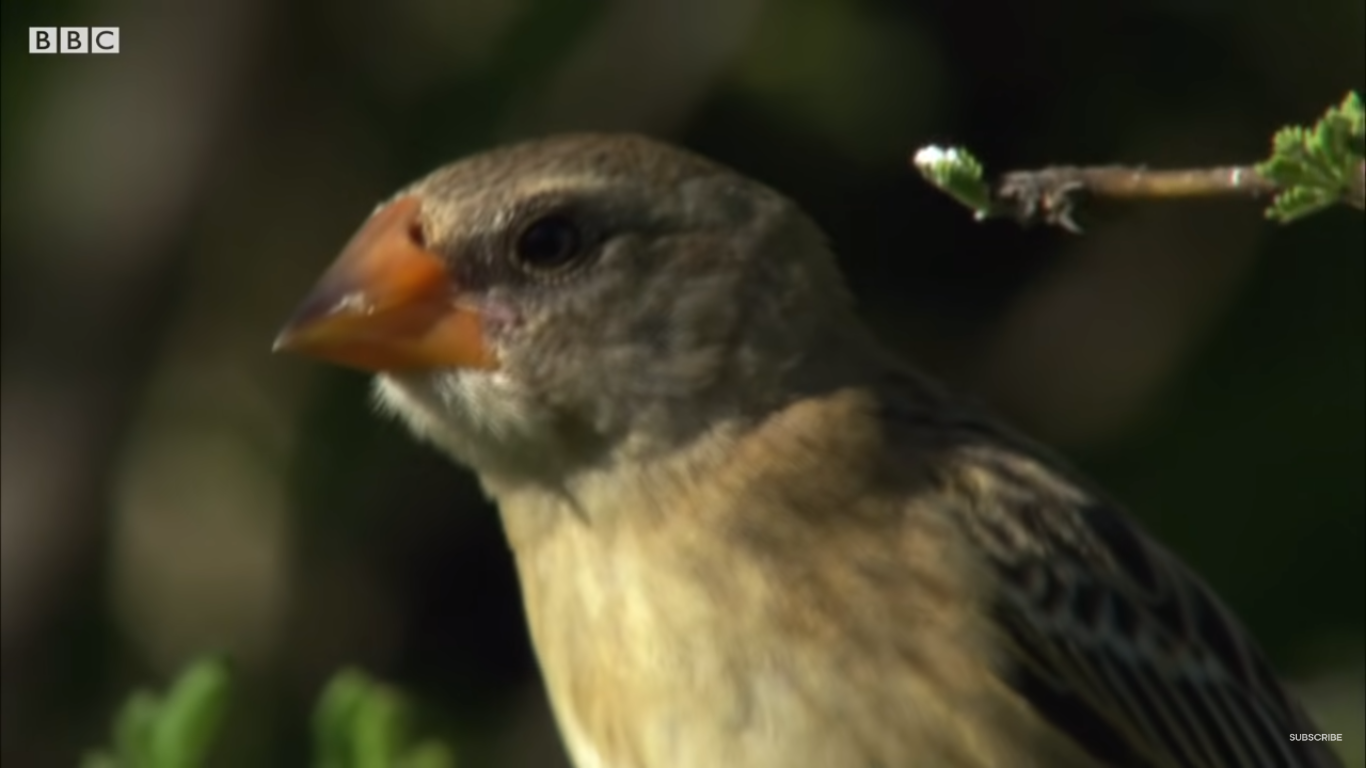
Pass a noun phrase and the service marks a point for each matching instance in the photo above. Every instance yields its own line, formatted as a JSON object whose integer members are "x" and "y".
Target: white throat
{"x": 482, "y": 419}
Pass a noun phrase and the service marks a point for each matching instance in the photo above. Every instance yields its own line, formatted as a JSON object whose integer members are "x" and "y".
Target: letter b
{"x": 75, "y": 40}
{"x": 42, "y": 39}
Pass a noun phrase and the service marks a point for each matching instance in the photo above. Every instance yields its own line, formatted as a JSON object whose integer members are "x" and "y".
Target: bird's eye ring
{"x": 548, "y": 243}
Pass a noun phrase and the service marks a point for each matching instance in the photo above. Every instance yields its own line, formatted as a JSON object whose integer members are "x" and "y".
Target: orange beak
{"x": 387, "y": 304}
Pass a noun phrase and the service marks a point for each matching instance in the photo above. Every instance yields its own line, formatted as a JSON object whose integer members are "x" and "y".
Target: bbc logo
{"x": 73, "y": 39}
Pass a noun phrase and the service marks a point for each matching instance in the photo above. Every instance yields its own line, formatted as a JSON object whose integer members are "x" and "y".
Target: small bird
{"x": 748, "y": 536}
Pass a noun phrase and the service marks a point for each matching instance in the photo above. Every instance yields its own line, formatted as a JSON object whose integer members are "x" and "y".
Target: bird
{"x": 748, "y": 535}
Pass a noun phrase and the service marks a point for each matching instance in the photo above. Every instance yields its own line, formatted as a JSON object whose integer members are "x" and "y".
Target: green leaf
{"x": 955, "y": 171}
{"x": 191, "y": 715}
{"x": 334, "y": 719}
{"x": 1320, "y": 166}
{"x": 359, "y": 723}
{"x": 133, "y": 730}
{"x": 379, "y": 730}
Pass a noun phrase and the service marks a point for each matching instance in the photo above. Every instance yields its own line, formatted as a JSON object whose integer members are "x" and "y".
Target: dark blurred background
{"x": 170, "y": 488}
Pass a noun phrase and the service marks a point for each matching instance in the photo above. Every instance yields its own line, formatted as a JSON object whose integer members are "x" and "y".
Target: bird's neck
{"x": 638, "y": 490}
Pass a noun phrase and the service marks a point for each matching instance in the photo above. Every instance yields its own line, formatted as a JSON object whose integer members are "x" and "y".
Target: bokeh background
{"x": 170, "y": 488}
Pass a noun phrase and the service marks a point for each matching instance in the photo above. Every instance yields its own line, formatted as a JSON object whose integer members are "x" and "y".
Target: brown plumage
{"x": 747, "y": 536}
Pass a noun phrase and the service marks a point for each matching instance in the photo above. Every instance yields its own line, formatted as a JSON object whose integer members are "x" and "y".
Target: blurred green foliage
{"x": 361, "y": 724}
{"x": 357, "y": 723}
{"x": 172, "y": 731}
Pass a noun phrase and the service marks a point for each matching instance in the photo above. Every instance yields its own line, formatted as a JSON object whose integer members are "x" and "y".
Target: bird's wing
{"x": 1115, "y": 641}
{"x": 1119, "y": 644}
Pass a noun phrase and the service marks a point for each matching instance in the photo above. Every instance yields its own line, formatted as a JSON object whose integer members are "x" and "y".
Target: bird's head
{"x": 552, "y": 304}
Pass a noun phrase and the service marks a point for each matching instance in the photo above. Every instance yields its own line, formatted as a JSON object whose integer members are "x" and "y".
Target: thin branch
{"x": 1051, "y": 194}
{"x": 1310, "y": 169}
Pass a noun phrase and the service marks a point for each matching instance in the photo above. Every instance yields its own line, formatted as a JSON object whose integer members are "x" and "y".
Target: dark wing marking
{"x": 1116, "y": 642}
{"x": 1112, "y": 629}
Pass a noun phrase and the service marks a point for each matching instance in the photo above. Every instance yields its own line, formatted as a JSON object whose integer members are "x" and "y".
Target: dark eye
{"x": 549, "y": 242}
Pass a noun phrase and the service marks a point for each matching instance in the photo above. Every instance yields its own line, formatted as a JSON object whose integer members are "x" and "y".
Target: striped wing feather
{"x": 1116, "y": 642}
{"x": 1123, "y": 647}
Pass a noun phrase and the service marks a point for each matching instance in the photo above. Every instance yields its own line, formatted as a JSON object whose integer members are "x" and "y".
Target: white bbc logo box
{"x": 73, "y": 39}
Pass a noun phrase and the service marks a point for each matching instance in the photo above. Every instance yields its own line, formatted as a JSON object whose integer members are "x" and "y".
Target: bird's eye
{"x": 549, "y": 242}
